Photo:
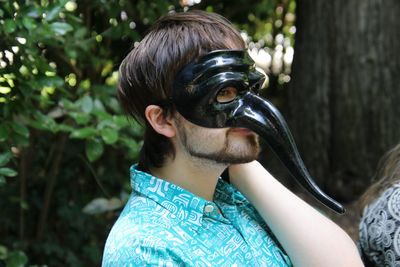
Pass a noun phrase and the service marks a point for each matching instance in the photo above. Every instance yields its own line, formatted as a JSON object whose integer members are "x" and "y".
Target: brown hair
{"x": 146, "y": 75}
{"x": 387, "y": 174}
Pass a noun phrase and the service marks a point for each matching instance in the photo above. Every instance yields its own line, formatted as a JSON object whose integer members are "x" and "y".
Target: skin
{"x": 202, "y": 154}
{"x": 196, "y": 167}
{"x": 226, "y": 146}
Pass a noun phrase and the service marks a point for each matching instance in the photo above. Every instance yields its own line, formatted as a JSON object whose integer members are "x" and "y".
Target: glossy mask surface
{"x": 195, "y": 93}
{"x": 201, "y": 82}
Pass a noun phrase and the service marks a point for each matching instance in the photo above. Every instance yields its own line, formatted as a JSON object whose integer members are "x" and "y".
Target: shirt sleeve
{"x": 139, "y": 255}
{"x": 379, "y": 230}
{"x": 131, "y": 244}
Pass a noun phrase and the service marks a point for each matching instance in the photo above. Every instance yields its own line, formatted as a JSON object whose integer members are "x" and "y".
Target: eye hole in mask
{"x": 226, "y": 95}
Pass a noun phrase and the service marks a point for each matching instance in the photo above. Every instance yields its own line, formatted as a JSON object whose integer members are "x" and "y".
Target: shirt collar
{"x": 226, "y": 193}
{"x": 181, "y": 203}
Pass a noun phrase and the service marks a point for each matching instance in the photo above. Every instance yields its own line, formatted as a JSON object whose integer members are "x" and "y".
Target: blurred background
{"x": 66, "y": 147}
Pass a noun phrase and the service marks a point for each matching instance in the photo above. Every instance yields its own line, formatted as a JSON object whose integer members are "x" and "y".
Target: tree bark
{"x": 344, "y": 97}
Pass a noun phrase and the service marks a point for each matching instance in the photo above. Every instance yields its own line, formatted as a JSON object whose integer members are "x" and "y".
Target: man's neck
{"x": 198, "y": 176}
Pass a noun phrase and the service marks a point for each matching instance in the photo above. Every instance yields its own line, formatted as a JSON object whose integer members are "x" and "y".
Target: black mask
{"x": 198, "y": 98}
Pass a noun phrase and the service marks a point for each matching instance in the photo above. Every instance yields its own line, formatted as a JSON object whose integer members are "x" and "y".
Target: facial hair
{"x": 234, "y": 149}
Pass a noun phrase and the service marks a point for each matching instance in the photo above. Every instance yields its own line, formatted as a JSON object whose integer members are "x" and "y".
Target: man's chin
{"x": 227, "y": 158}
{"x": 233, "y": 158}
{"x": 240, "y": 160}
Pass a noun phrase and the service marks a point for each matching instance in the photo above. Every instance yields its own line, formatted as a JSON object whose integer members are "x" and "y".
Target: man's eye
{"x": 226, "y": 95}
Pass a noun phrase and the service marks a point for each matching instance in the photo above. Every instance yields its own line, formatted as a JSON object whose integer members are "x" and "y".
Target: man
{"x": 188, "y": 80}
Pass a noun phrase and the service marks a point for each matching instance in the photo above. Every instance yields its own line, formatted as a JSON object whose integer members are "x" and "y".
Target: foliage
{"x": 65, "y": 146}
{"x": 268, "y": 27}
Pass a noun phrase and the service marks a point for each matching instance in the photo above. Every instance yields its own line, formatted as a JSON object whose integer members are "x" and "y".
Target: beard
{"x": 198, "y": 142}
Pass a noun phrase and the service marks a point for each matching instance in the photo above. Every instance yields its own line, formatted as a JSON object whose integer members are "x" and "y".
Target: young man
{"x": 191, "y": 83}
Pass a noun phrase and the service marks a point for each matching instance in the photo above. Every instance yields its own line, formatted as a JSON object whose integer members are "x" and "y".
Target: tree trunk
{"x": 344, "y": 97}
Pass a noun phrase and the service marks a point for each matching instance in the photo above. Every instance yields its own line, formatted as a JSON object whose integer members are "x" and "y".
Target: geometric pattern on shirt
{"x": 163, "y": 224}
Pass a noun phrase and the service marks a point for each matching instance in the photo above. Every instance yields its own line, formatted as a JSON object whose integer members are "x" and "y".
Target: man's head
{"x": 177, "y": 82}
{"x": 147, "y": 74}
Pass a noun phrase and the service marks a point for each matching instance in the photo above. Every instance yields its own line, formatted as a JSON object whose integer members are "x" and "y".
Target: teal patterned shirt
{"x": 165, "y": 225}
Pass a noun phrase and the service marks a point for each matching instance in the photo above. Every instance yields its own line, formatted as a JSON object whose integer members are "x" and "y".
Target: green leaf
{"x": 106, "y": 122}
{"x": 84, "y": 133}
{"x": 37, "y": 125}
{"x": 9, "y": 25}
{"x": 3, "y": 249}
{"x": 79, "y": 117}
{"x": 110, "y": 136}
{"x": 44, "y": 122}
{"x": 8, "y": 172}
{"x": 87, "y": 104}
{"x": 94, "y": 149}
{"x": 69, "y": 105}
{"x": 3, "y": 133}
{"x": 2, "y": 182}
{"x": 102, "y": 115}
{"x": 133, "y": 147}
{"x": 16, "y": 259}
{"x": 61, "y": 28}
{"x": 52, "y": 14}
{"x": 5, "y": 158}
{"x": 33, "y": 12}
{"x": 20, "y": 129}
{"x": 55, "y": 81}
{"x": 71, "y": 53}
{"x": 121, "y": 121}
{"x": 114, "y": 104}
{"x": 65, "y": 128}
{"x": 29, "y": 23}
{"x": 98, "y": 105}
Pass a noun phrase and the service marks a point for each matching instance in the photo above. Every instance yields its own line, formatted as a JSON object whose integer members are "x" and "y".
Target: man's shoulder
{"x": 129, "y": 232}
{"x": 138, "y": 247}
{"x": 141, "y": 216}
{"x": 133, "y": 242}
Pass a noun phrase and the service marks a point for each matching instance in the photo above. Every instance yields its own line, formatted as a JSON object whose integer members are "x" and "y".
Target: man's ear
{"x": 160, "y": 122}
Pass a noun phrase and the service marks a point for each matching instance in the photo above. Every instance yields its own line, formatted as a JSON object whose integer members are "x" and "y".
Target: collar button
{"x": 209, "y": 208}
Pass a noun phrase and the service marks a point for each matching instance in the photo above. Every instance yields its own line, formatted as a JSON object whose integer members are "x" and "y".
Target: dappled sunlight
{"x": 58, "y": 108}
{"x": 272, "y": 47}
{"x": 185, "y": 3}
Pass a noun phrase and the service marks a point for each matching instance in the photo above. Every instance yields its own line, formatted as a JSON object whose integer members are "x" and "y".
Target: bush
{"x": 65, "y": 146}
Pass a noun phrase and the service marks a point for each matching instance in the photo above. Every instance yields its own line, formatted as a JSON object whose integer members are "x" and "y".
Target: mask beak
{"x": 260, "y": 116}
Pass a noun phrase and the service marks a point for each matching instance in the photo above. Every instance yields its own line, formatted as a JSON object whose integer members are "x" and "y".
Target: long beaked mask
{"x": 195, "y": 93}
